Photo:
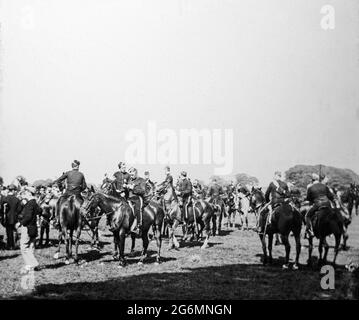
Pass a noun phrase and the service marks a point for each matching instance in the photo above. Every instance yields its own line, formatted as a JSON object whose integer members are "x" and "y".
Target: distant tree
{"x": 245, "y": 179}
{"x": 1, "y": 181}
{"x": 300, "y": 176}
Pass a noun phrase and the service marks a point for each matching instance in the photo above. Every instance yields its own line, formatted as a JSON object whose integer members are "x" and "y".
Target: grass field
{"x": 229, "y": 269}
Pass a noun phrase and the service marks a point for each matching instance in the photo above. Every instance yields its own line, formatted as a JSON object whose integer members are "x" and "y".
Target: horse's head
{"x": 93, "y": 201}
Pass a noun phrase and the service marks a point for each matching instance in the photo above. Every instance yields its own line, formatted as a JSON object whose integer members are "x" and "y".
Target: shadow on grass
{"x": 235, "y": 281}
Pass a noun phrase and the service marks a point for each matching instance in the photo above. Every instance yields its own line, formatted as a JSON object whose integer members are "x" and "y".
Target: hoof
{"x": 285, "y": 266}
{"x": 56, "y": 255}
{"x": 295, "y": 267}
{"x": 115, "y": 258}
{"x": 140, "y": 263}
{"x": 205, "y": 246}
{"x": 67, "y": 262}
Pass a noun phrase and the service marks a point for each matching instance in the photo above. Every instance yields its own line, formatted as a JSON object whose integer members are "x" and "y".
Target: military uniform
{"x": 318, "y": 194}
{"x": 75, "y": 183}
{"x": 277, "y": 192}
{"x": 197, "y": 191}
{"x": 136, "y": 196}
{"x": 215, "y": 191}
{"x": 121, "y": 179}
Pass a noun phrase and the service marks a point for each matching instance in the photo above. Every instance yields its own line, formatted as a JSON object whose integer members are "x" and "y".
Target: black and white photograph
{"x": 179, "y": 150}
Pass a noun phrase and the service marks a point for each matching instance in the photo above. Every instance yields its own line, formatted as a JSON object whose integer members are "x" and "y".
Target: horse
{"x": 232, "y": 208}
{"x": 70, "y": 220}
{"x": 121, "y": 216}
{"x": 285, "y": 219}
{"x": 219, "y": 210}
{"x": 199, "y": 213}
{"x": 326, "y": 221}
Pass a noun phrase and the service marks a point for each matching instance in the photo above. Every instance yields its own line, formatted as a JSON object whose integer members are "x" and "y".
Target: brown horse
{"x": 285, "y": 219}
{"x": 121, "y": 216}
{"x": 70, "y": 220}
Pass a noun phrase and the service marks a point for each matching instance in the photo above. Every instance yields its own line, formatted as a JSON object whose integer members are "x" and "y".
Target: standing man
{"x": 28, "y": 228}
{"x": 75, "y": 180}
{"x": 11, "y": 208}
{"x": 122, "y": 177}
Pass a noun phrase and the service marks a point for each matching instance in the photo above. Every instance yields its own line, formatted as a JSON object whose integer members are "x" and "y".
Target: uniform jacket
{"x": 319, "y": 193}
{"x": 75, "y": 181}
{"x": 215, "y": 190}
{"x": 121, "y": 178}
{"x": 185, "y": 188}
{"x": 277, "y": 191}
{"x": 139, "y": 188}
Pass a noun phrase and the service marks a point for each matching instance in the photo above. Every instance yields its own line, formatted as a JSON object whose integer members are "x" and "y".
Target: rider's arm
{"x": 62, "y": 178}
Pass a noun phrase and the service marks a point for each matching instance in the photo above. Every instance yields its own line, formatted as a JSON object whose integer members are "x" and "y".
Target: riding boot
{"x": 134, "y": 227}
{"x": 269, "y": 220}
{"x": 309, "y": 227}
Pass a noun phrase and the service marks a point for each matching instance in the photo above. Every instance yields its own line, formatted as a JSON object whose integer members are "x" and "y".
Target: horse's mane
{"x": 110, "y": 198}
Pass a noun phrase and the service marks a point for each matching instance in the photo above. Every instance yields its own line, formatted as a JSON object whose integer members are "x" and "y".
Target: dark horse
{"x": 70, "y": 219}
{"x": 285, "y": 219}
{"x": 326, "y": 221}
{"x": 121, "y": 216}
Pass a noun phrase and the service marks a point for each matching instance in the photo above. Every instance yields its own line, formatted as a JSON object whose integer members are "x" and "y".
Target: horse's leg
{"x": 320, "y": 248}
{"x": 326, "y": 249}
{"x": 277, "y": 240}
{"x": 285, "y": 241}
{"x": 262, "y": 237}
{"x": 158, "y": 237}
{"x": 145, "y": 243}
{"x": 310, "y": 250}
{"x": 122, "y": 238}
{"x": 270, "y": 246}
{"x": 57, "y": 253}
{"x": 116, "y": 243}
{"x": 214, "y": 224}
{"x": 78, "y": 235}
{"x": 298, "y": 247}
{"x": 207, "y": 227}
{"x": 133, "y": 243}
{"x": 345, "y": 238}
{"x": 67, "y": 244}
{"x": 336, "y": 248}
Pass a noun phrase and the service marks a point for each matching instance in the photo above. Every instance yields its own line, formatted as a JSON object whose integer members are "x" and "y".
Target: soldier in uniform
{"x": 168, "y": 182}
{"x": 215, "y": 191}
{"x": 276, "y": 193}
{"x": 197, "y": 189}
{"x": 122, "y": 178}
{"x": 75, "y": 180}
{"x": 137, "y": 190}
{"x": 318, "y": 195}
{"x": 185, "y": 191}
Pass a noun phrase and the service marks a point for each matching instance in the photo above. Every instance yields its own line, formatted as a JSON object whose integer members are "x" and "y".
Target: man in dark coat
{"x": 318, "y": 195}
{"x": 28, "y": 222}
{"x": 10, "y": 208}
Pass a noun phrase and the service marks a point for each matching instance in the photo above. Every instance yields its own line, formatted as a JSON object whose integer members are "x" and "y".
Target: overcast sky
{"x": 77, "y": 75}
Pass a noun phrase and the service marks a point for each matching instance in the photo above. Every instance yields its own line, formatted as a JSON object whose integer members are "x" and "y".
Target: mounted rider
{"x": 215, "y": 192}
{"x": 276, "y": 193}
{"x": 137, "y": 191}
{"x": 150, "y": 185}
{"x": 75, "y": 182}
{"x": 168, "y": 182}
{"x": 120, "y": 183}
{"x": 318, "y": 195}
{"x": 197, "y": 189}
{"x": 184, "y": 192}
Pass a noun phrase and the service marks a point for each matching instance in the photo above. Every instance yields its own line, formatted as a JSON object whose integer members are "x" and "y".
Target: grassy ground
{"x": 229, "y": 269}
